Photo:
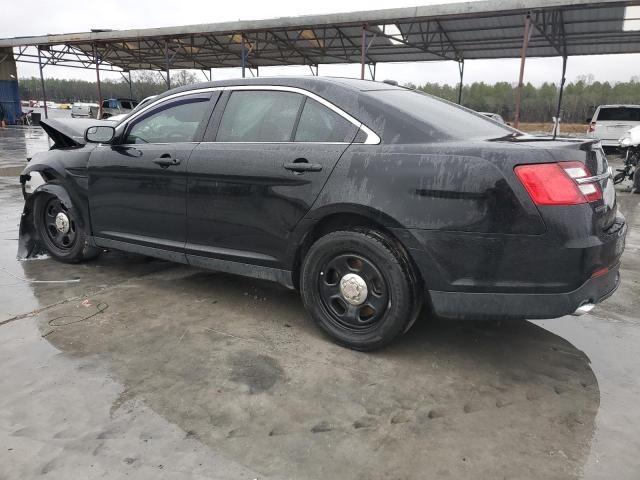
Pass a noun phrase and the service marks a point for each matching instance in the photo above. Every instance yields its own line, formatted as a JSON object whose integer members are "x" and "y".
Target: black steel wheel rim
{"x": 62, "y": 240}
{"x": 339, "y": 311}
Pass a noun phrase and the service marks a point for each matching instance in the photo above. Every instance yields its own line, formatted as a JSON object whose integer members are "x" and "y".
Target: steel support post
{"x": 95, "y": 58}
{"x": 461, "y": 69}
{"x": 44, "y": 90}
{"x": 363, "y": 51}
{"x": 372, "y": 70}
{"x": 244, "y": 58}
{"x": 166, "y": 57}
{"x": 523, "y": 57}
{"x": 130, "y": 86}
{"x": 563, "y": 80}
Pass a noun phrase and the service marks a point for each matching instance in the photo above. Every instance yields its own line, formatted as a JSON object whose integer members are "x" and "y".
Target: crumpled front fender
{"x": 29, "y": 243}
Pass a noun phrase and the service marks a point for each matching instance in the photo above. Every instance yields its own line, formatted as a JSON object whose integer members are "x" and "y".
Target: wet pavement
{"x": 17, "y": 144}
{"x": 137, "y": 367}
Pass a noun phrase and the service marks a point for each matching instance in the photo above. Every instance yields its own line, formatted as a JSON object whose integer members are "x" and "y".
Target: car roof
{"x": 296, "y": 81}
{"x": 308, "y": 82}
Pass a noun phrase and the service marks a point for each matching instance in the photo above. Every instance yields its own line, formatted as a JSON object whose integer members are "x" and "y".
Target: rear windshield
{"x": 449, "y": 118}
{"x": 619, "y": 114}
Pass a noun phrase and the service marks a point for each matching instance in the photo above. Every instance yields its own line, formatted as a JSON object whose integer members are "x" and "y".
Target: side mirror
{"x": 99, "y": 134}
{"x": 588, "y": 121}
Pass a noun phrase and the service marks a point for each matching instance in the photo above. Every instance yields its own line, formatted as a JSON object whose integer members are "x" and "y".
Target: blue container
{"x": 10, "y": 99}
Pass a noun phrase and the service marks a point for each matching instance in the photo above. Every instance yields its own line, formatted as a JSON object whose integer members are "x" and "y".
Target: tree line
{"x": 539, "y": 103}
{"x": 143, "y": 84}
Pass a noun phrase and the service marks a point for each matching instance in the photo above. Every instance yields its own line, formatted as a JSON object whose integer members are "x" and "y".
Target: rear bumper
{"x": 474, "y": 276}
{"x": 506, "y": 306}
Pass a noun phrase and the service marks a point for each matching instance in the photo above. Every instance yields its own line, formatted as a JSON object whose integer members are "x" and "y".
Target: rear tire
{"x": 358, "y": 287}
{"x": 60, "y": 231}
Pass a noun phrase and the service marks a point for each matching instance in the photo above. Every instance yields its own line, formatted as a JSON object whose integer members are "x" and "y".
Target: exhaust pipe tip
{"x": 583, "y": 309}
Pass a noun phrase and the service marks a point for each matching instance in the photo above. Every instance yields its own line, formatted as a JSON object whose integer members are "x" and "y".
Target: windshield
{"x": 452, "y": 120}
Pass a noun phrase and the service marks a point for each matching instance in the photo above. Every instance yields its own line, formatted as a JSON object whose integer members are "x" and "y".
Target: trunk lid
{"x": 615, "y": 130}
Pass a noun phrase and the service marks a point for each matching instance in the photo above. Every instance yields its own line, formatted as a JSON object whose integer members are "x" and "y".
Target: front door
{"x": 137, "y": 188}
{"x": 271, "y": 153}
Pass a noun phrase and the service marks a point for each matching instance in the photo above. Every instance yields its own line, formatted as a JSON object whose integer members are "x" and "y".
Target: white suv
{"x": 610, "y": 122}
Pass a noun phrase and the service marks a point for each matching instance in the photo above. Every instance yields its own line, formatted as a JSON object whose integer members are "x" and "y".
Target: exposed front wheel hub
{"x": 62, "y": 222}
{"x": 353, "y": 289}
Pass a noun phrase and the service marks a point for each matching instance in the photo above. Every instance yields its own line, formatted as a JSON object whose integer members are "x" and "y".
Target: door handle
{"x": 302, "y": 165}
{"x": 166, "y": 160}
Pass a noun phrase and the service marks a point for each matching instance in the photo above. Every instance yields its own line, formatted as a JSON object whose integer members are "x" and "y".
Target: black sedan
{"x": 373, "y": 200}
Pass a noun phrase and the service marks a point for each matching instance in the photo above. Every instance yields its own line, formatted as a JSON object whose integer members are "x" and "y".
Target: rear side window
{"x": 169, "y": 123}
{"x": 619, "y": 114}
{"x": 320, "y": 124}
{"x": 126, "y": 104}
{"x": 439, "y": 115}
{"x": 259, "y": 116}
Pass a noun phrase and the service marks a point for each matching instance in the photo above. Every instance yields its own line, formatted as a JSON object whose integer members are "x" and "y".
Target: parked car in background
{"x": 374, "y": 201}
{"x": 82, "y": 110}
{"x": 610, "y": 122}
{"x": 494, "y": 116}
{"x": 114, "y": 106}
{"x": 122, "y": 116}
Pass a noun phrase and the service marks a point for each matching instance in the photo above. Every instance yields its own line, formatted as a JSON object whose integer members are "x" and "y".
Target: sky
{"x": 38, "y": 17}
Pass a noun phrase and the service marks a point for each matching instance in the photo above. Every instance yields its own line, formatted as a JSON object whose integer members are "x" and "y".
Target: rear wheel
{"x": 359, "y": 289}
{"x": 60, "y": 231}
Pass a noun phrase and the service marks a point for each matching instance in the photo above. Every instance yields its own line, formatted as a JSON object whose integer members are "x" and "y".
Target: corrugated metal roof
{"x": 471, "y": 30}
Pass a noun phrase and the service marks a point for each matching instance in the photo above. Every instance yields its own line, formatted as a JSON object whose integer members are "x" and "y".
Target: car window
{"x": 259, "y": 116}
{"x": 126, "y": 104}
{"x": 320, "y": 124}
{"x": 105, "y": 104}
{"x": 619, "y": 114}
{"x": 170, "y": 123}
{"x": 440, "y": 115}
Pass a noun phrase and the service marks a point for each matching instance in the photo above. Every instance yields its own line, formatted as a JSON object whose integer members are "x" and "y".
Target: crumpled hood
{"x": 69, "y": 132}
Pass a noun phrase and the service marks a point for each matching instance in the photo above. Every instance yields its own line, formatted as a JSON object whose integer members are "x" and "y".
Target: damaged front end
{"x": 62, "y": 172}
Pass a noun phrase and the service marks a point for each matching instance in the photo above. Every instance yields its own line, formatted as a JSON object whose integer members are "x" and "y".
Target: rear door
{"x": 137, "y": 188}
{"x": 269, "y": 153}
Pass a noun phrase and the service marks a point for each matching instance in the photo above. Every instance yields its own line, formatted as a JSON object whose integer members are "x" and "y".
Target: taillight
{"x": 562, "y": 183}
{"x": 592, "y": 127}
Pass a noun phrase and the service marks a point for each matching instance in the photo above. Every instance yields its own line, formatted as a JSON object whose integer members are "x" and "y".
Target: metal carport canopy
{"x": 457, "y": 31}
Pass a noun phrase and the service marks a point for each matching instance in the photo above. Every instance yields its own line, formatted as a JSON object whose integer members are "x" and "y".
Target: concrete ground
{"x": 126, "y": 366}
